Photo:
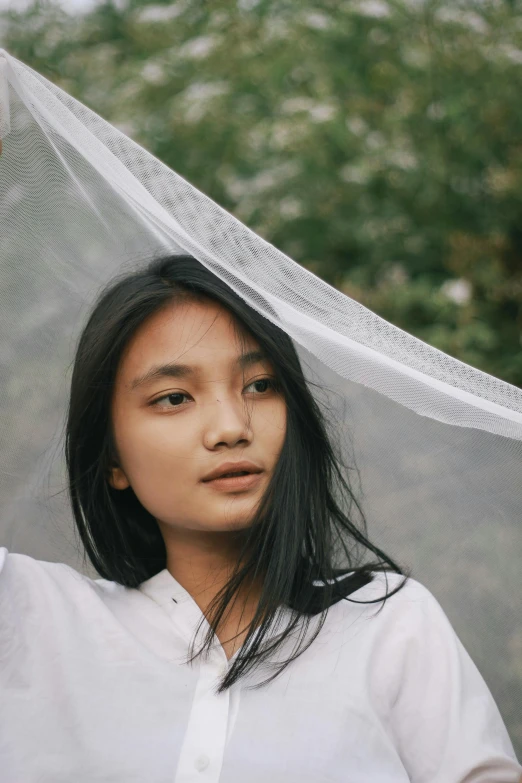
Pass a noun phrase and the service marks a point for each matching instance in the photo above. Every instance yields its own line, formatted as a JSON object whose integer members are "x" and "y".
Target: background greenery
{"x": 377, "y": 143}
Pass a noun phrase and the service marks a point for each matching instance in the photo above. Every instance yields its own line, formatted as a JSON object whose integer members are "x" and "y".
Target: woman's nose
{"x": 228, "y": 424}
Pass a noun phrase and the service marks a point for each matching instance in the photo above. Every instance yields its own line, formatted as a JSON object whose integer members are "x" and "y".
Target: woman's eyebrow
{"x": 170, "y": 370}
{"x": 252, "y": 357}
{"x": 173, "y": 370}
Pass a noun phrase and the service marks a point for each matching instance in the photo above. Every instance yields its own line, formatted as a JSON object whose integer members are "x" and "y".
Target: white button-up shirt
{"x": 94, "y": 688}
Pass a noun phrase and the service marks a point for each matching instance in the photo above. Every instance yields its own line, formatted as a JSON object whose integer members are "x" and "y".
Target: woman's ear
{"x": 117, "y": 478}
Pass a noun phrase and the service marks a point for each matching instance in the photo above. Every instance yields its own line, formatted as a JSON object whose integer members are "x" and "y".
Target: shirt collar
{"x": 183, "y": 610}
{"x": 163, "y": 588}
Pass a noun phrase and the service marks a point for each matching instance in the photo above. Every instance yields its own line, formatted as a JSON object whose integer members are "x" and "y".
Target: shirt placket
{"x": 205, "y": 738}
{"x": 201, "y": 756}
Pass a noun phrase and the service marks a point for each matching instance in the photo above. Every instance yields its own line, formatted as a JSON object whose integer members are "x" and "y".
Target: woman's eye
{"x": 175, "y": 399}
{"x": 260, "y": 386}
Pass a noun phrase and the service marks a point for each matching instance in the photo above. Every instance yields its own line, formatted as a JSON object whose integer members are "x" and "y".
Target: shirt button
{"x": 202, "y": 762}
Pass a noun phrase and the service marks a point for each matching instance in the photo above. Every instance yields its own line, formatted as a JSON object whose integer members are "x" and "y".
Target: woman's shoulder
{"x": 396, "y": 630}
{"x": 398, "y": 605}
{"x": 21, "y": 566}
{"x": 23, "y": 576}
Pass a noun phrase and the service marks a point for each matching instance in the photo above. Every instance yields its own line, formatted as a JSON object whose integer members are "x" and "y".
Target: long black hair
{"x": 308, "y": 508}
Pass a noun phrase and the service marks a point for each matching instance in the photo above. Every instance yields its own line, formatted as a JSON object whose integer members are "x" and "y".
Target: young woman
{"x": 208, "y": 496}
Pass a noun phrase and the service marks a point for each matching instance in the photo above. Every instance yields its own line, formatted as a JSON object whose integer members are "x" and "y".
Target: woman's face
{"x": 188, "y": 398}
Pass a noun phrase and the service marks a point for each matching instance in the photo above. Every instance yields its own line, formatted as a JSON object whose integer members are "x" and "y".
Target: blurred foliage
{"x": 378, "y": 143}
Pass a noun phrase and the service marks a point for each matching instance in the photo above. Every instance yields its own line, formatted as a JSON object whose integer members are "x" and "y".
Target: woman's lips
{"x": 235, "y": 483}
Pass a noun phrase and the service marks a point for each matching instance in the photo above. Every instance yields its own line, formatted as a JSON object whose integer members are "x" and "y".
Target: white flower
{"x": 319, "y": 112}
{"x": 458, "y": 291}
{"x": 375, "y": 8}
{"x": 415, "y": 56}
{"x": 282, "y": 134}
{"x": 356, "y": 125}
{"x": 435, "y": 111}
{"x": 375, "y": 140}
{"x": 276, "y": 29}
{"x": 396, "y": 274}
{"x": 265, "y": 180}
{"x": 467, "y": 19}
{"x": 354, "y": 173}
{"x": 153, "y": 73}
{"x": 403, "y": 159}
{"x": 317, "y": 20}
{"x": 290, "y": 207}
{"x": 512, "y": 53}
{"x": 294, "y": 105}
{"x": 198, "y": 96}
{"x": 199, "y": 48}
{"x": 160, "y": 13}
{"x": 322, "y": 112}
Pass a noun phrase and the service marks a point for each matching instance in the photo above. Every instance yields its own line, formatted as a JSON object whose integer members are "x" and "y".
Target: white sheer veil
{"x": 437, "y": 443}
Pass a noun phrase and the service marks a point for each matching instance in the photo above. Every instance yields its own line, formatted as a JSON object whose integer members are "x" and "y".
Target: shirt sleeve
{"x": 446, "y": 724}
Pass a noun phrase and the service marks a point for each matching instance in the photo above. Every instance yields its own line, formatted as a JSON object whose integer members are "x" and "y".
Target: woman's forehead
{"x": 199, "y": 333}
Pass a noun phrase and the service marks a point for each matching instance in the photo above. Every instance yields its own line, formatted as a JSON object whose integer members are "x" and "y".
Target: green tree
{"x": 377, "y": 143}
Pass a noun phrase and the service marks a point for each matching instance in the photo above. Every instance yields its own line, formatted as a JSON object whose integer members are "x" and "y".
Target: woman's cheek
{"x": 272, "y": 424}
{"x": 152, "y": 448}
